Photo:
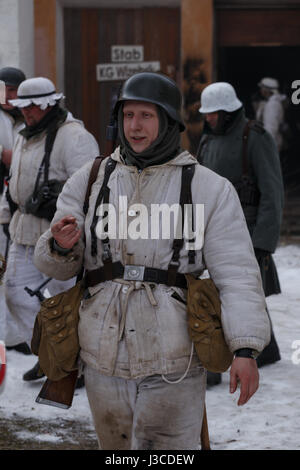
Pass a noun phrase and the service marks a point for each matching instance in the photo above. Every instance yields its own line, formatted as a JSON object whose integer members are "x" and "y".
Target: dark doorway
{"x": 243, "y": 67}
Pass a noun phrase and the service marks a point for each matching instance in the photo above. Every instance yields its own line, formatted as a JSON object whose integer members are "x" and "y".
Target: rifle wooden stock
{"x": 205, "y": 443}
{"x": 58, "y": 393}
{"x": 112, "y": 127}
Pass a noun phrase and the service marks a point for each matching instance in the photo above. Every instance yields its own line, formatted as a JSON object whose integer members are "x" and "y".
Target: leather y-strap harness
{"x": 114, "y": 270}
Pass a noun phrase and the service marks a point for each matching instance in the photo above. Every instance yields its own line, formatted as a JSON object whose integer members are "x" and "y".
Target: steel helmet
{"x": 219, "y": 96}
{"x": 12, "y": 76}
{"x": 39, "y": 91}
{"x": 270, "y": 83}
{"x": 153, "y": 88}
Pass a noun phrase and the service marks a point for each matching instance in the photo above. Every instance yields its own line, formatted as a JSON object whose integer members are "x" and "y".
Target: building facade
{"x": 88, "y": 48}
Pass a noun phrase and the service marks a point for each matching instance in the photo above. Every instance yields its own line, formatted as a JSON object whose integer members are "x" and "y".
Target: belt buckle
{"x": 133, "y": 273}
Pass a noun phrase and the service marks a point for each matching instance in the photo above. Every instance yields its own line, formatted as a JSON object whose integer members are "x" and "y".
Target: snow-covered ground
{"x": 271, "y": 419}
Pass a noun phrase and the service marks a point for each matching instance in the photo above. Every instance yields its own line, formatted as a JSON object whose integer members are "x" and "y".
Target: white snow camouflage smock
{"x": 154, "y": 338}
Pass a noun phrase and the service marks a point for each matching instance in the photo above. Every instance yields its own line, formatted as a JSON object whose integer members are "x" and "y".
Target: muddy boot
{"x": 270, "y": 354}
{"x": 21, "y": 347}
{"x": 33, "y": 374}
{"x": 213, "y": 378}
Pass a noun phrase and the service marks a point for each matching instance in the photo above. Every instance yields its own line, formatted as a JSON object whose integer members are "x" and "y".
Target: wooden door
{"x": 89, "y": 35}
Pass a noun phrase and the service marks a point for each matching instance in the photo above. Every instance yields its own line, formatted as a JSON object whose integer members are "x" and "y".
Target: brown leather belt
{"x": 131, "y": 273}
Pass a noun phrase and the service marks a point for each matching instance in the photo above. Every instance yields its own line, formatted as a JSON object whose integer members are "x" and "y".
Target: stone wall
{"x": 17, "y": 35}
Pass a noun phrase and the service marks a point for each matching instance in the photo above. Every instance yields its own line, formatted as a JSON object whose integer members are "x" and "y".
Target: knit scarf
{"x": 225, "y": 121}
{"x": 163, "y": 149}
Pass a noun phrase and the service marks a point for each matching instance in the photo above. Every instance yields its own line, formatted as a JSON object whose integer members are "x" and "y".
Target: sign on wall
{"x": 127, "y": 53}
{"x": 125, "y": 61}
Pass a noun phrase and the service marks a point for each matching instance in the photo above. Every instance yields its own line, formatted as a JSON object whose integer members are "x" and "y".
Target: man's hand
{"x": 66, "y": 232}
{"x": 245, "y": 371}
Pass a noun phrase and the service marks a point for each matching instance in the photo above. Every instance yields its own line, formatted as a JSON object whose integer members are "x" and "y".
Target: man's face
{"x": 141, "y": 124}
{"x": 212, "y": 119}
{"x": 11, "y": 94}
{"x": 33, "y": 114}
{"x": 265, "y": 92}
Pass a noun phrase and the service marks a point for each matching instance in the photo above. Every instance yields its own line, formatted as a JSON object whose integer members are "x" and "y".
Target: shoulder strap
{"x": 50, "y": 138}
{"x": 48, "y": 149}
{"x": 245, "y": 145}
{"x": 103, "y": 195}
{"x": 185, "y": 198}
{"x": 92, "y": 179}
{"x": 202, "y": 142}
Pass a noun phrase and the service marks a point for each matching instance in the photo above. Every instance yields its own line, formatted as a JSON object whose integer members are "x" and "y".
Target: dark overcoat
{"x": 224, "y": 155}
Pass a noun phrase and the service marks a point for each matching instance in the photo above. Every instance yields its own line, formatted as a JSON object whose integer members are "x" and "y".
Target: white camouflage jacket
{"x": 129, "y": 329}
{"x": 73, "y": 147}
{"x": 9, "y": 129}
{"x": 271, "y": 114}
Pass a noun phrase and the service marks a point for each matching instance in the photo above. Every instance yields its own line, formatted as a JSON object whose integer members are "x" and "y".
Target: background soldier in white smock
{"x": 70, "y": 148}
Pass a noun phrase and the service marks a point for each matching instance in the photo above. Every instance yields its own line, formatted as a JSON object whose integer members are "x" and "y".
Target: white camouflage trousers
{"x": 147, "y": 413}
{"x": 23, "y": 308}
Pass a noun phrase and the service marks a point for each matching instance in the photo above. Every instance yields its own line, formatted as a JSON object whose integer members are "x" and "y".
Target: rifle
{"x": 37, "y": 291}
{"x": 60, "y": 393}
{"x": 112, "y": 127}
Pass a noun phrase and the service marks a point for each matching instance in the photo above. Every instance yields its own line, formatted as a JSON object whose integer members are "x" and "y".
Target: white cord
{"x": 184, "y": 375}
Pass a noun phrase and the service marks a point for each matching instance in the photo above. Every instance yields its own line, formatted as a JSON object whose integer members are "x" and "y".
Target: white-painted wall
{"x": 17, "y": 35}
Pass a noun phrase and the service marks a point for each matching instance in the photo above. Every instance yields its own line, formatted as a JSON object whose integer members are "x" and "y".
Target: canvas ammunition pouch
{"x": 204, "y": 324}
{"x": 55, "y": 333}
{"x": 42, "y": 202}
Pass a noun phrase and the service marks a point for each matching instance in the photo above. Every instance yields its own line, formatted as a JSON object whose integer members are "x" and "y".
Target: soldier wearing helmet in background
{"x": 270, "y": 110}
{"x": 144, "y": 382}
{"x": 11, "y": 119}
{"x": 11, "y": 122}
{"x": 245, "y": 153}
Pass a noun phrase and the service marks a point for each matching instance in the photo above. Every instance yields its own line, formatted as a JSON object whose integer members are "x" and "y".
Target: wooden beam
{"x": 45, "y": 38}
{"x": 197, "y": 45}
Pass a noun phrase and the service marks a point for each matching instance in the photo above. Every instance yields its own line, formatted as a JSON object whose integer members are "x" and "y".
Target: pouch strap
{"x": 103, "y": 195}
{"x": 92, "y": 179}
{"x": 245, "y": 144}
{"x": 185, "y": 198}
{"x": 202, "y": 143}
{"x": 50, "y": 138}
